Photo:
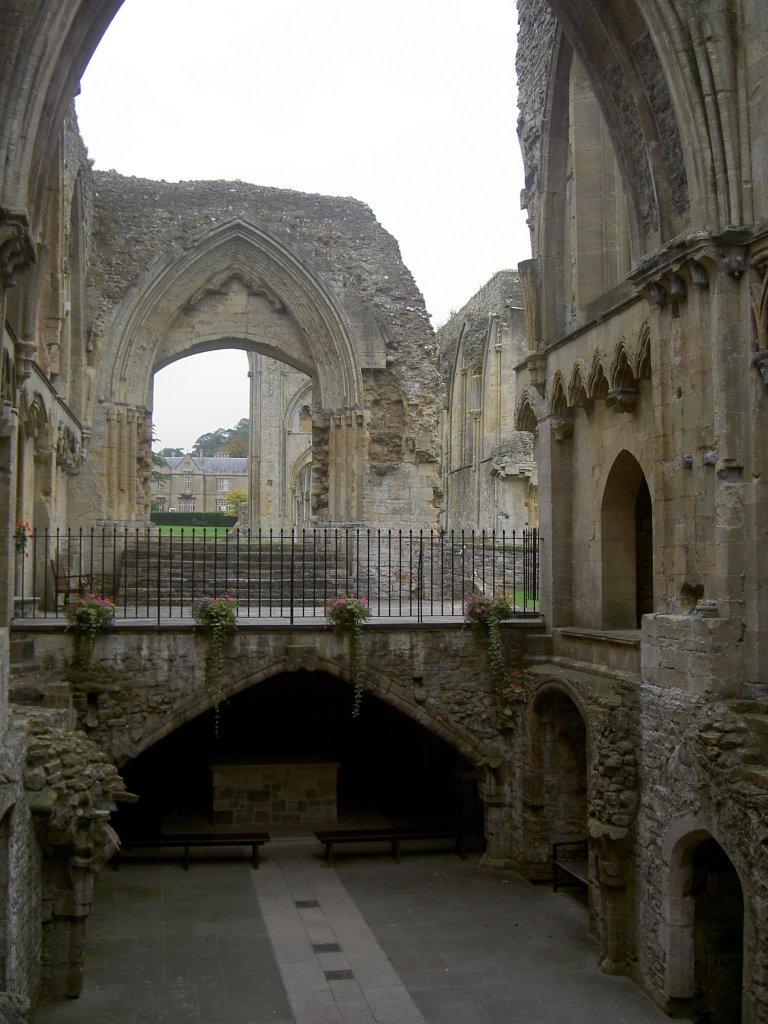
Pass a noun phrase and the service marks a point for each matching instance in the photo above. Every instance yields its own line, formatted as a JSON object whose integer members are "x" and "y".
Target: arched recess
{"x": 6, "y": 945}
{"x": 630, "y": 84}
{"x": 626, "y": 530}
{"x": 703, "y": 934}
{"x": 238, "y": 287}
{"x": 556, "y": 777}
{"x": 301, "y": 718}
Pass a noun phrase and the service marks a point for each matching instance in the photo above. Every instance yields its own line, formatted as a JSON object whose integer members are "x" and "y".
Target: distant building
{"x": 195, "y": 484}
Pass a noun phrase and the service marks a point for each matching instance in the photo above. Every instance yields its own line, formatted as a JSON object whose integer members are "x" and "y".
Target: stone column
{"x": 346, "y": 466}
{"x": 610, "y": 847}
{"x": 121, "y": 468}
{"x": 731, "y": 356}
{"x": 554, "y": 457}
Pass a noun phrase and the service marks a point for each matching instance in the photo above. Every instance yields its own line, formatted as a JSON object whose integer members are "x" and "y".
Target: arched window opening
{"x": 627, "y": 545}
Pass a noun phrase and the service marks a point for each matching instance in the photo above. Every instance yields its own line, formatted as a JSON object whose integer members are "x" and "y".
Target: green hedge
{"x": 192, "y": 519}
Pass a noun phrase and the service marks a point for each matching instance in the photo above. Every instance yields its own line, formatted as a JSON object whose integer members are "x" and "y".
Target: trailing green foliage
{"x": 486, "y": 614}
{"x": 216, "y": 618}
{"x": 346, "y": 615}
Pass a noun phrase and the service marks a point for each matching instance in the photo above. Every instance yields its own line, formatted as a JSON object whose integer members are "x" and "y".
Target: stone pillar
{"x": 554, "y": 457}
{"x": 346, "y": 461}
{"x": 121, "y": 467}
{"x": 610, "y": 846}
{"x": 731, "y": 356}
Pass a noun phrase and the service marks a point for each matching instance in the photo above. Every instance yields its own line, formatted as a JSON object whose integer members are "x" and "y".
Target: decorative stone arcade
{"x": 271, "y": 277}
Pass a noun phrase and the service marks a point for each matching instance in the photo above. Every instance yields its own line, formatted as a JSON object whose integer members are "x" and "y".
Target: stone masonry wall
{"x": 138, "y": 221}
{"x": 697, "y": 763}
{"x": 142, "y": 683}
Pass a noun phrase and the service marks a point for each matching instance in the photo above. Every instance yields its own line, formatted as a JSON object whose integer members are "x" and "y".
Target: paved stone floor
{"x": 433, "y": 939}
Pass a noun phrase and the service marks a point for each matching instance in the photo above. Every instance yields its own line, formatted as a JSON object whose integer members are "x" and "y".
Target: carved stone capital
{"x": 17, "y": 250}
{"x": 622, "y": 399}
{"x": 561, "y": 426}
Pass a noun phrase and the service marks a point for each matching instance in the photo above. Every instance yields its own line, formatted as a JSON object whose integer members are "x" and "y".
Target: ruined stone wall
{"x": 136, "y": 220}
{"x": 143, "y": 683}
{"x": 381, "y": 460}
{"x": 488, "y": 468}
{"x": 700, "y": 766}
{"x": 653, "y": 378}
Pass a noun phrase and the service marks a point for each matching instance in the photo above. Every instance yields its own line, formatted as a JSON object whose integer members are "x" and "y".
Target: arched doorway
{"x": 705, "y": 932}
{"x": 626, "y": 519}
{"x": 718, "y": 935}
{"x": 556, "y": 796}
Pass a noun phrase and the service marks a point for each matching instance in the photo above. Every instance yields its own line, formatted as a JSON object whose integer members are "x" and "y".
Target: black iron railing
{"x": 158, "y": 573}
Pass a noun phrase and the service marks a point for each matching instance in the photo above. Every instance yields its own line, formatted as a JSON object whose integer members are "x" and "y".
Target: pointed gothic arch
{"x": 238, "y": 287}
{"x": 626, "y": 529}
{"x": 703, "y": 931}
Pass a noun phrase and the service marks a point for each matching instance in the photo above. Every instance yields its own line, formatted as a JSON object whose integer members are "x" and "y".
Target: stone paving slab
{"x": 433, "y": 940}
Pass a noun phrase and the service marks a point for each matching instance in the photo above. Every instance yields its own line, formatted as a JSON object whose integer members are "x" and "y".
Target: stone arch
{"x": 623, "y": 392}
{"x": 630, "y": 84}
{"x": 231, "y": 259}
{"x": 598, "y": 386}
{"x": 643, "y": 363}
{"x": 558, "y": 401}
{"x": 578, "y": 397}
{"x": 556, "y": 776}
{"x": 526, "y": 417}
{"x": 238, "y": 286}
{"x": 703, "y": 924}
{"x": 312, "y": 659}
{"x": 626, "y": 530}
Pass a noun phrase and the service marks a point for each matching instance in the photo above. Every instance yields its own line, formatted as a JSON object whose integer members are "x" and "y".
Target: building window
{"x": 186, "y": 483}
{"x": 223, "y": 483}
{"x": 187, "y": 505}
{"x": 159, "y": 485}
{"x": 222, "y": 505}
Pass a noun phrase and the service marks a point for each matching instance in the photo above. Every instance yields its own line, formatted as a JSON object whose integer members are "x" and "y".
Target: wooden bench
{"x": 570, "y": 865}
{"x": 395, "y": 836}
{"x": 186, "y": 841}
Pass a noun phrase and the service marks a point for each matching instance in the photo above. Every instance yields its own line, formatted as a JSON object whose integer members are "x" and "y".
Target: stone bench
{"x": 185, "y": 841}
{"x": 570, "y": 865}
{"x": 394, "y": 836}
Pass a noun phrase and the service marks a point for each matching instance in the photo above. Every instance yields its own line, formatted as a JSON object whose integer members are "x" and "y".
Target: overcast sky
{"x": 409, "y": 106}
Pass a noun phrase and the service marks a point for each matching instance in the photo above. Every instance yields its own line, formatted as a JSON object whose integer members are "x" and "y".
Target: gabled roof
{"x": 216, "y": 464}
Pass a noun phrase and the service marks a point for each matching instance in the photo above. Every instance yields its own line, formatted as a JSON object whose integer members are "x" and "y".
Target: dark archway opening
{"x": 390, "y": 767}
{"x": 626, "y": 545}
{"x": 643, "y": 552}
{"x": 718, "y": 936}
{"x": 556, "y": 804}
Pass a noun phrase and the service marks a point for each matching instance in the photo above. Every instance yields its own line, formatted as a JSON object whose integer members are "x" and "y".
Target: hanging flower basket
{"x": 486, "y": 614}
{"x": 216, "y": 619}
{"x": 346, "y": 615}
{"x": 88, "y": 617}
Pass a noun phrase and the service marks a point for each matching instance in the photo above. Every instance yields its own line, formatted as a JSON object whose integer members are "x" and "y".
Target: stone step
{"x": 22, "y": 655}
{"x": 758, "y": 776}
{"x": 758, "y": 725}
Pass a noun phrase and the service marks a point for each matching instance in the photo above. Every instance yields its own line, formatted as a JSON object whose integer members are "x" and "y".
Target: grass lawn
{"x": 199, "y": 531}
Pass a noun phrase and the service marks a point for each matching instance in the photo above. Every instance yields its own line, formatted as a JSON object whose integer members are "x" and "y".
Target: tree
{"x": 237, "y": 447}
{"x": 218, "y": 441}
{"x": 234, "y": 499}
